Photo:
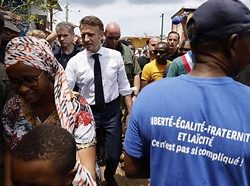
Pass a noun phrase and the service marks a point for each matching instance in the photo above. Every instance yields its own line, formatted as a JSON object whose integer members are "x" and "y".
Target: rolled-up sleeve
{"x": 85, "y": 136}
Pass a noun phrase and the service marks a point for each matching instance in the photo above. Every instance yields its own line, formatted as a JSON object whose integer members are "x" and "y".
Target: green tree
{"x": 23, "y": 7}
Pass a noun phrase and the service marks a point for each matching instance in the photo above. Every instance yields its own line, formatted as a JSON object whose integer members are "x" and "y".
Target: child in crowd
{"x": 45, "y": 156}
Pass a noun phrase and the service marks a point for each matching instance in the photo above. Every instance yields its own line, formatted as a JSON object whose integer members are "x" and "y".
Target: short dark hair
{"x": 67, "y": 25}
{"x": 164, "y": 44}
{"x": 174, "y": 32}
{"x": 92, "y": 21}
{"x": 48, "y": 142}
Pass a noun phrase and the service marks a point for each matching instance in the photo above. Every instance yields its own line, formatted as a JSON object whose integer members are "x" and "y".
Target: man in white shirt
{"x": 81, "y": 70}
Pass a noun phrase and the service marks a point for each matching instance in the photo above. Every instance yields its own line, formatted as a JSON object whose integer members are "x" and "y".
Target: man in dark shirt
{"x": 67, "y": 49}
{"x": 144, "y": 59}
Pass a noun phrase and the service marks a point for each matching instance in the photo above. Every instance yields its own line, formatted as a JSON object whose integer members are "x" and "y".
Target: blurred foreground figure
{"x": 45, "y": 156}
{"x": 185, "y": 135}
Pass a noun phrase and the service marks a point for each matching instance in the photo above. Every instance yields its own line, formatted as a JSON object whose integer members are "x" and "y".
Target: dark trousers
{"x": 109, "y": 134}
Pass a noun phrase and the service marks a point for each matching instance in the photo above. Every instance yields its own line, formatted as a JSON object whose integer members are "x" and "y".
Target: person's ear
{"x": 233, "y": 52}
{"x": 70, "y": 177}
{"x": 232, "y": 45}
{"x": 103, "y": 35}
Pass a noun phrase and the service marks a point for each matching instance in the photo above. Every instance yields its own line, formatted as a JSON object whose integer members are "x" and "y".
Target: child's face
{"x": 35, "y": 173}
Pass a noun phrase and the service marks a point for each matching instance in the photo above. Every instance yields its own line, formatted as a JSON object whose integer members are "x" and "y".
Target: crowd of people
{"x": 67, "y": 103}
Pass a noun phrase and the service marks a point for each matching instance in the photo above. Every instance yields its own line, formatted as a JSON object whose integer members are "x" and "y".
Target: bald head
{"x": 113, "y": 27}
{"x": 112, "y": 35}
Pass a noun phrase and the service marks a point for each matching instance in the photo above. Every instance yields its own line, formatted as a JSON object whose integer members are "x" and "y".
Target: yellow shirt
{"x": 153, "y": 71}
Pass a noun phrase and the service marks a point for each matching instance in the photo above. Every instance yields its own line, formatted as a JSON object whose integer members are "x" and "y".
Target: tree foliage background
{"x": 22, "y": 7}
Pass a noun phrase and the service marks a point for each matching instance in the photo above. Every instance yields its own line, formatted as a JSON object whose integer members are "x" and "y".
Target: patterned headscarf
{"x": 38, "y": 54}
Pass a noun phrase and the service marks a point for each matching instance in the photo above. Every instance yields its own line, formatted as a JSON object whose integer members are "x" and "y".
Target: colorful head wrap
{"x": 37, "y": 53}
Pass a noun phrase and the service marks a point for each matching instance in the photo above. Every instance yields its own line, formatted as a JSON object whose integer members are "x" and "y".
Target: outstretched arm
{"x": 184, "y": 26}
{"x": 51, "y": 37}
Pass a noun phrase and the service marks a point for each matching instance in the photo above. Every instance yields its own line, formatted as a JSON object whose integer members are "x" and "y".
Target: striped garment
{"x": 187, "y": 61}
{"x": 181, "y": 65}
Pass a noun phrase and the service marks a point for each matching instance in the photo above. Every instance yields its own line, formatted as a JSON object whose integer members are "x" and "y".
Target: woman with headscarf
{"x": 43, "y": 97}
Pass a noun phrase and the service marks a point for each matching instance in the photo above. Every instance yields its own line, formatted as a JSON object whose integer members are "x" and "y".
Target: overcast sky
{"x": 135, "y": 17}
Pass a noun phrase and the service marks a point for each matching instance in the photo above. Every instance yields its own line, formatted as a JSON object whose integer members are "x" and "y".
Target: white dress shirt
{"x": 80, "y": 71}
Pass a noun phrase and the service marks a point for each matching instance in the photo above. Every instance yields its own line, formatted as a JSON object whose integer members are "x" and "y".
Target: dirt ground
{"x": 120, "y": 177}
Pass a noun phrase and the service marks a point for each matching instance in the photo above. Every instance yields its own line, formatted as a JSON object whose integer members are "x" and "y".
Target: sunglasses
{"x": 113, "y": 37}
{"x": 160, "y": 52}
